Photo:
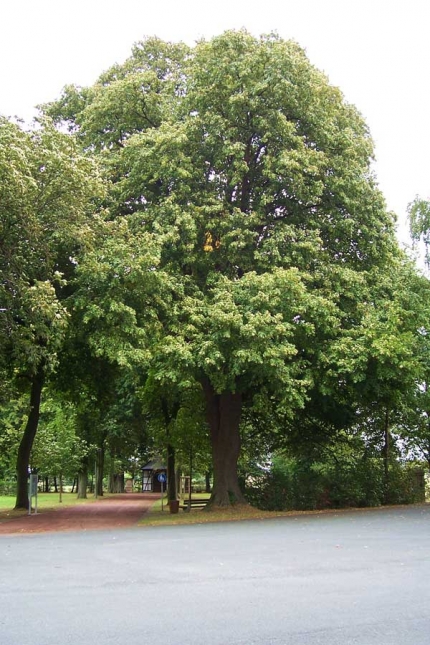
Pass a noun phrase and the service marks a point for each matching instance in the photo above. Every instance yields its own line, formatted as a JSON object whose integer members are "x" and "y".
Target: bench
{"x": 188, "y": 504}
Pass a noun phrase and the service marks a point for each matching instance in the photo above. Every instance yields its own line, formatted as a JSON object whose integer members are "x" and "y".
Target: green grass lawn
{"x": 44, "y": 501}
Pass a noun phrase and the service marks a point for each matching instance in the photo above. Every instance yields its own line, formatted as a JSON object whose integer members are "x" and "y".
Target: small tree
{"x": 57, "y": 450}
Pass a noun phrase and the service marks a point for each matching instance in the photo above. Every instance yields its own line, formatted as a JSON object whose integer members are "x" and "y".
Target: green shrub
{"x": 7, "y": 487}
{"x": 298, "y": 484}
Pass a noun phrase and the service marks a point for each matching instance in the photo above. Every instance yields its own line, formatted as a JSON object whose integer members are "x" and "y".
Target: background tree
{"x": 47, "y": 198}
{"x": 419, "y": 223}
{"x": 177, "y": 424}
{"x": 57, "y": 450}
{"x": 380, "y": 362}
{"x": 415, "y": 425}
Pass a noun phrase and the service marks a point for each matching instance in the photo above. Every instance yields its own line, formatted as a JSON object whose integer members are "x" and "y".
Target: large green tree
{"x": 252, "y": 174}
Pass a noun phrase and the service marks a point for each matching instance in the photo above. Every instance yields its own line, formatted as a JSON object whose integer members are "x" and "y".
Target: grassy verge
{"x": 155, "y": 516}
{"x": 159, "y": 504}
{"x": 45, "y": 501}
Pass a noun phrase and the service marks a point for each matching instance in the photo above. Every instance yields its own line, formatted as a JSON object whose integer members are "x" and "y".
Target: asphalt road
{"x": 359, "y": 578}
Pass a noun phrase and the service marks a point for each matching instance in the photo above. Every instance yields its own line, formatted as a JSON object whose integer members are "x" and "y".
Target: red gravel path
{"x": 112, "y": 512}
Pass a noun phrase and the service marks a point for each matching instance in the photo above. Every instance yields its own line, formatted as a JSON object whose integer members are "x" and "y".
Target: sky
{"x": 376, "y": 51}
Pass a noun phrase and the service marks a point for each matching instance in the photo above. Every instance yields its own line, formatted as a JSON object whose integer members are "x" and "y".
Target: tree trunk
{"x": 27, "y": 440}
{"x": 178, "y": 480}
{"x": 83, "y": 480}
{"x": 171, "y": 477}
{"x": 386, "y": 451}
{"x": 208, "y": 481}
{"x": 190, "y": 488}
{"x": 55, "y": 485}
{"x": 100, "y": 460}
{"x": 116, "y": 483}
{"x": 223, "y": 413}
{"x": 169, "y": 415}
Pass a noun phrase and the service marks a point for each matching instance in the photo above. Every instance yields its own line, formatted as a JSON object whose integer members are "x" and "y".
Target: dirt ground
{"x": 123, "y": 510}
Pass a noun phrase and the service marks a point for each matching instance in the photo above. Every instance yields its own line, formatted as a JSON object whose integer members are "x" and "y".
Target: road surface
{"x": 349, "y": 578}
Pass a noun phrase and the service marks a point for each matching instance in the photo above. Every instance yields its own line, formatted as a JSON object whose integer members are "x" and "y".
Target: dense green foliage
{"x": 241, "y": 282}
{"x": 351, "y": 480}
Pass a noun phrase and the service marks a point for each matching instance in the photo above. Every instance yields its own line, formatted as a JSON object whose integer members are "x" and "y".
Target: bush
{"x": 7, "y": 487}
{"x": 298, "y": 484}
{"x": 406, "y": 485}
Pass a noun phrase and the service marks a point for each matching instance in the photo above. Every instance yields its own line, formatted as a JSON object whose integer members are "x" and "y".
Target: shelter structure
{"x": 150, "y": 476}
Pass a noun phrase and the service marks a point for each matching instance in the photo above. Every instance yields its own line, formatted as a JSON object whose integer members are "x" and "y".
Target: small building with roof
{"x": 150, "y": 473}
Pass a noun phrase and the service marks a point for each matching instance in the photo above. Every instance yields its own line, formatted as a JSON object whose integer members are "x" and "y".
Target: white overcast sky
{"x": 376, "y": 51}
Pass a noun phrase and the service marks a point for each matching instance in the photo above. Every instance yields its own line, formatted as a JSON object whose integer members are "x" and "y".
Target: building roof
{"x": 155, "y": 464}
